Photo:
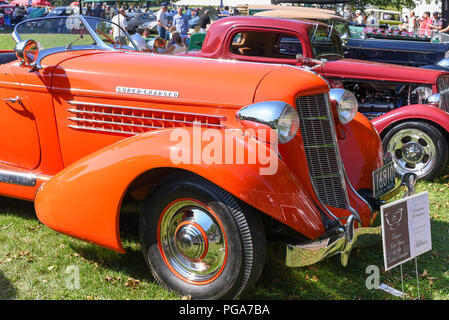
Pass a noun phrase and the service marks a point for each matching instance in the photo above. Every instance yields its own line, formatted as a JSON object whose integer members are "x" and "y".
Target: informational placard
{"x": 405, "y": 229}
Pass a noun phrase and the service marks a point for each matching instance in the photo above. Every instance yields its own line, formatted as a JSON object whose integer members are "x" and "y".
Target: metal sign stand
{"x": 417, "y": 280}
{"x": 409, "y": 193}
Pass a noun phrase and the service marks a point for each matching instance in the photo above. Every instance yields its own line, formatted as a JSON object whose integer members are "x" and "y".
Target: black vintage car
{"x": 416, "y": 51}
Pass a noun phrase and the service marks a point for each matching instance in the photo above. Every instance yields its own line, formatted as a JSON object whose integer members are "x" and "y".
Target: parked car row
{"x": 408, "y": 106}
{"x": 239, "y": 154}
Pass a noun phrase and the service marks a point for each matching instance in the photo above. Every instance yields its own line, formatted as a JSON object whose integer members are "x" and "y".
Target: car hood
{"x": 115, "y": 74}
{"x": 360, "y": 69}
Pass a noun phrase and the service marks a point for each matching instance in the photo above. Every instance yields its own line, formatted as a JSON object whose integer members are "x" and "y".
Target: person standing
{"x": 180, "y": 21}
{"x": 204, "y": 21}
{"x": 412, "y": 22}
{"x": 438, "y": 23}
{"x": 162, "y": 21}
{"x": 120, "y": 21}
{"x": 372, "y": 21}
{"x": 359, "y": 20}
{"x": 425, "y": 23}
{"x": 98, "y": 11}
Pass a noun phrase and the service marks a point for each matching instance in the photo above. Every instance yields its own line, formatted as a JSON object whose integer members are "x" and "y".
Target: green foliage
{"x": 61, "y": 3}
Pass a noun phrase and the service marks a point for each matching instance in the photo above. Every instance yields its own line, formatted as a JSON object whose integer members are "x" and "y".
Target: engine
{"x": 377, "y": 98}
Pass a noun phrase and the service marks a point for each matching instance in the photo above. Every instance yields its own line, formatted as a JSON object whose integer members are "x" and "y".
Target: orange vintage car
{"x": 224, "y": 154}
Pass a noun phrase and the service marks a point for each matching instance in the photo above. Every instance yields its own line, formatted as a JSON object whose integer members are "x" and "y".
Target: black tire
{"x": 232, "y": 252}
{"x": 417, "y": 147}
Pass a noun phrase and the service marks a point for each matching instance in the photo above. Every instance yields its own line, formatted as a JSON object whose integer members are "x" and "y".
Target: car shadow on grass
{"x": 19, "y": 208}
{"x": 7, "y": 290}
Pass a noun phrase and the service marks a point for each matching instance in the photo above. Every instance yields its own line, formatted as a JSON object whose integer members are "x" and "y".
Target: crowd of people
{"x": 173, "y": 25}
{"x": 11, "y": 15}
{"x": 428, "y": 24}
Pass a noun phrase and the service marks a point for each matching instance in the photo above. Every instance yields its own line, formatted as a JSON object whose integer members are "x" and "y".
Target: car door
{"x": 19, "y": 140}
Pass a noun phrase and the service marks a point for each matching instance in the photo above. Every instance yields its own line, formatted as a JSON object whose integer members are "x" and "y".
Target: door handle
{"x": 13, "y": 100}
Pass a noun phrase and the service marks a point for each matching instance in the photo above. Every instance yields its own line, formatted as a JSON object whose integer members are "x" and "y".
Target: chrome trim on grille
{"x": 321, "y": 148}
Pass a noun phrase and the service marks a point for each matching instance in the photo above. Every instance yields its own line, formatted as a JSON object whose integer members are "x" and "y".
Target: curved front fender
{"x": 84, "y": 199}
{"x": 412, "y": 112}
{"x": 360, "y": 150}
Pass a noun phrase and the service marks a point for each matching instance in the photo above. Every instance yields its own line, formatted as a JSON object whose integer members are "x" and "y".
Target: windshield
{"x": 73, "y": 32}
{"x": 325, "y": 43}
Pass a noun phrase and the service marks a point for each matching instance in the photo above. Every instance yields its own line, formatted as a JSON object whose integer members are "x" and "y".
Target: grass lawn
{"x": 6, "y": 42}
{"x": 38, "y": 263}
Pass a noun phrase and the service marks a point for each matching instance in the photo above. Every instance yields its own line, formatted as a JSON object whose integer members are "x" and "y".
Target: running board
{"x": 20, "y": 178}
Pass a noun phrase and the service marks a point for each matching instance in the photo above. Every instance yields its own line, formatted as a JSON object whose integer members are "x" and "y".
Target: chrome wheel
{"x": 197, "y": 240}
{"x": 413, "y": 151}
{"x": 191, "y": 241}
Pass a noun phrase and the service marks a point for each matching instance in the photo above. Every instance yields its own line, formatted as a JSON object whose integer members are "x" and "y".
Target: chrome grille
{"x": 443, "y": 89}
{"x": 321, "y": 149}
{"x": 132, "y": 120}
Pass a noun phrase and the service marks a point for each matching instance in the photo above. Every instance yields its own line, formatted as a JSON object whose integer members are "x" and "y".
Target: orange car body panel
{"x": 92, "y": 170}
{"x": 100, "y": 180}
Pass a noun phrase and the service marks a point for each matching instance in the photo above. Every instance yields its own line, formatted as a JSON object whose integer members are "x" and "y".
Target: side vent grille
{"x": 321, "y": 150}
{"x": 133, "y": 120}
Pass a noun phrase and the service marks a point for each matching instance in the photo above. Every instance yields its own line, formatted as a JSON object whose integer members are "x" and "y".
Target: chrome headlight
{"x": 347, "y": 104}
{"x": 434, "y": 100}
{"x": 276, "y": 115}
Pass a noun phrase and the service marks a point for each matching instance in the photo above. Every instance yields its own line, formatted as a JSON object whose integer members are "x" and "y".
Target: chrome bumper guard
{"x": 348, "y": 238}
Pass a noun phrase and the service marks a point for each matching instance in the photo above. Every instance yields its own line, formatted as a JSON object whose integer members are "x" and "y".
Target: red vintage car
{"x": 222, "y": 161}
{"x": 408, "y": 106}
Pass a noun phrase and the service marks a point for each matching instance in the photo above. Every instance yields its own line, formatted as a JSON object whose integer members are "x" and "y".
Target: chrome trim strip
{"x": 19, "y": 178}
{"x": 101, "y": 130}
{"x": 144, "y": 109}
{"x": 115, "y": 123}
{"x": 138, "y": 118}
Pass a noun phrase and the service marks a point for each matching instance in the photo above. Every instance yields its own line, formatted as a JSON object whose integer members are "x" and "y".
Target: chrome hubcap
{"x": 413, "y": 151}
{"x": 192, "y": 241}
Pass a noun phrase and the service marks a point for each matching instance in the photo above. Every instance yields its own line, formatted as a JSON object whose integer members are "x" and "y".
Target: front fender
{"x": 361, "y": 151}
{"x": 412, "y": 112}
{"x": 84, "y": 199}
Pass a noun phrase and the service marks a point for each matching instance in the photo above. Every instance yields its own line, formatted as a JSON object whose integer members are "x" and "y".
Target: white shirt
{"x": 121, "y": 21}
{"x": 139, "y": 41}
{"x": 411, "y": 24}
{"x": 178, "y": 49}
{"x": 162, "y": 17}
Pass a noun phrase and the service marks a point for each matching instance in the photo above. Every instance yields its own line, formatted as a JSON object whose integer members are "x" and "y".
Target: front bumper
{"x": 347, "y": 237}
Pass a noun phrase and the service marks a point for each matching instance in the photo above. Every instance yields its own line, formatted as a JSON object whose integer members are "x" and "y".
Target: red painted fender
{"x": 412, "y": 112}
{"x": 84, "y": 199}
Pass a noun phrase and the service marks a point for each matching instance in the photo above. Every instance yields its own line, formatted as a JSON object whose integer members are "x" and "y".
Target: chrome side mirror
{"x": 27, "y": 51}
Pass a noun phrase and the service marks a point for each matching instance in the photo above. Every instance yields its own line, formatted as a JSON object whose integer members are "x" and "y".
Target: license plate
{"x": 383, "y": 180}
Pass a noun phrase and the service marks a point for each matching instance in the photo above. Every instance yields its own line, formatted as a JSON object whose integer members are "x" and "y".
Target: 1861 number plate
{"x": 383, "y": 180}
